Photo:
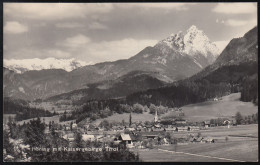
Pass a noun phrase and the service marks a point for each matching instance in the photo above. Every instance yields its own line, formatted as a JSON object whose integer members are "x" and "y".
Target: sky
{"x": 98, "y": 32}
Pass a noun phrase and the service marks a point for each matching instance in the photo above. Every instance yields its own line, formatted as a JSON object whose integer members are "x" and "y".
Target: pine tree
{"x": 238, "y": 118}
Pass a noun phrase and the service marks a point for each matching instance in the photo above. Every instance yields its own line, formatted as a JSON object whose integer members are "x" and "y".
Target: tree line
{"x": 23, "y": 111}
{"x": 19, "y": 139}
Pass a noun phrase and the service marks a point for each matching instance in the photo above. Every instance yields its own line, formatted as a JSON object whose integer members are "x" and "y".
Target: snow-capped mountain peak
{"x": 196, "y": 41}
{"x": 20, "y": 66}
{"x": 193, "y": 43}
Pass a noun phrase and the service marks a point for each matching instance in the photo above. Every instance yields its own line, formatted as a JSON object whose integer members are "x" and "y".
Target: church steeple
{"x": 156, "y": 117}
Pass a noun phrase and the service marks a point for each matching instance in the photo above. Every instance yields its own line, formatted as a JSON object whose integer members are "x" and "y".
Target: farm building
{"x": 208, "y": 140}
{"x": 193, "y": 128}
{"x": 181, "y": 129}
{"x": 149, "y": 135}
{"x": 86, "y": 137}
{"x": 67, "y": 127}
{"x": 69, "y": 137}
{"x": 158, "y": 127}
{"x": 206, "y": 124}
{"x": 199, "y": 139}
{"x": 148, "y": 128}
{"x": 170, "y": 129}
{"x": 165, "y": 142}
{"x": 126, "y": 139}
{"x": 180, "y": 121}
{"x": 74, "y": 126}
{"x": 131, "y": 129}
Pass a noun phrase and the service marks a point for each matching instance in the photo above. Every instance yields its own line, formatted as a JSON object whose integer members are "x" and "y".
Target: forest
{"x": 21, "y": 138}
{"x": 23, "y": 111}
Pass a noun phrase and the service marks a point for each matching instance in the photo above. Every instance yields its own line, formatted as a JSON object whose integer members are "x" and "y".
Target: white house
{"x": 69, "y": 137}
{"x": 74, "y": 126}
{"x": 86, "y": 137}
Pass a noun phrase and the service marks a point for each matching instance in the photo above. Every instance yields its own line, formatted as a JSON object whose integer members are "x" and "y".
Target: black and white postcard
{"x": 124, "y": 82}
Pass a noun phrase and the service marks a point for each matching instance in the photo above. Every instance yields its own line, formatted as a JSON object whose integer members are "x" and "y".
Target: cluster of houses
{"x": 127, "y": 135}
{"x": 202, "y": 140}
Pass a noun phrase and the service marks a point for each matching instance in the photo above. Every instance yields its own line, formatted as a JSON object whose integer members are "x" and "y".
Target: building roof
{"x": 207, "y": 122}
{"x": 131, "y": 129}
{"x": 199, "y": 138}
{"x": 194, "y": 126}
{"x": 165, "y": 140}
{"x": 125, "y": 137}
{"x": 88, "y": 137}
{"x": 69, "y": 136}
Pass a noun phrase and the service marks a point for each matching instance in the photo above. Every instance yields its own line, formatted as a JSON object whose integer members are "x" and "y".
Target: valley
{"x": 179, "y": 100}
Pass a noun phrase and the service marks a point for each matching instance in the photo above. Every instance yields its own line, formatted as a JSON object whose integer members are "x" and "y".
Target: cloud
{"x": 41, "y": 24}
{"x": 97, "y": 26}
{"x": 235, "y": 8}
{"x": 114, "y": 50}
{"x": 236, "y": 22}
{"x": 69, "y": 25}
{"x": 75, "y": 41}
{"x": 58, "y": 53}
{"x": 32, "y": 53}
{"x": 166, "y": 6}
{"x": 14, "y": 27}
{"x": 232, "y": 22}
{"x": 55, "y": 11}
{"x": 83, "y": 48}
{"x": 221, "y": 45}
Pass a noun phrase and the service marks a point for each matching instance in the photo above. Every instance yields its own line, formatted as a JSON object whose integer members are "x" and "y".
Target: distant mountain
{"x": 132, "y": 82}
{"x": 32, "y": 84}
{"x": 169, "y": 59}
{"x": 174, "y": 58}
{"x": 20, "y": 66}
{"x": 235, "y": 70}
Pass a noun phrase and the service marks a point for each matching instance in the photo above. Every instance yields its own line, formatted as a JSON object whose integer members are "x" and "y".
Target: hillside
{"x": 226, "y": 106}
{"x": 22, "y": 110}
{"x": 120, "y": 87}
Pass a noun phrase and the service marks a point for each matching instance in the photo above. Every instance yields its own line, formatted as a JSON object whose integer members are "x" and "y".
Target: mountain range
{"x": 235, "y": 70}
{"x": 177, "y": 57}
{"x": 21, "y": 66}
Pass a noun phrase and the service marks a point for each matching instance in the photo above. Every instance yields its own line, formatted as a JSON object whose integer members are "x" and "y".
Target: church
{"x": 157, "y": 124}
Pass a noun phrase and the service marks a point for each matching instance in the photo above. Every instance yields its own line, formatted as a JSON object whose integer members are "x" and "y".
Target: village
{"x": 138, "y": 134}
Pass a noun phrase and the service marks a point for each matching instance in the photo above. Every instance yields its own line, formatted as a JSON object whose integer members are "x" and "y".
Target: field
{"x": 226, "y": 107}
{"x": 242, "y": 145}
